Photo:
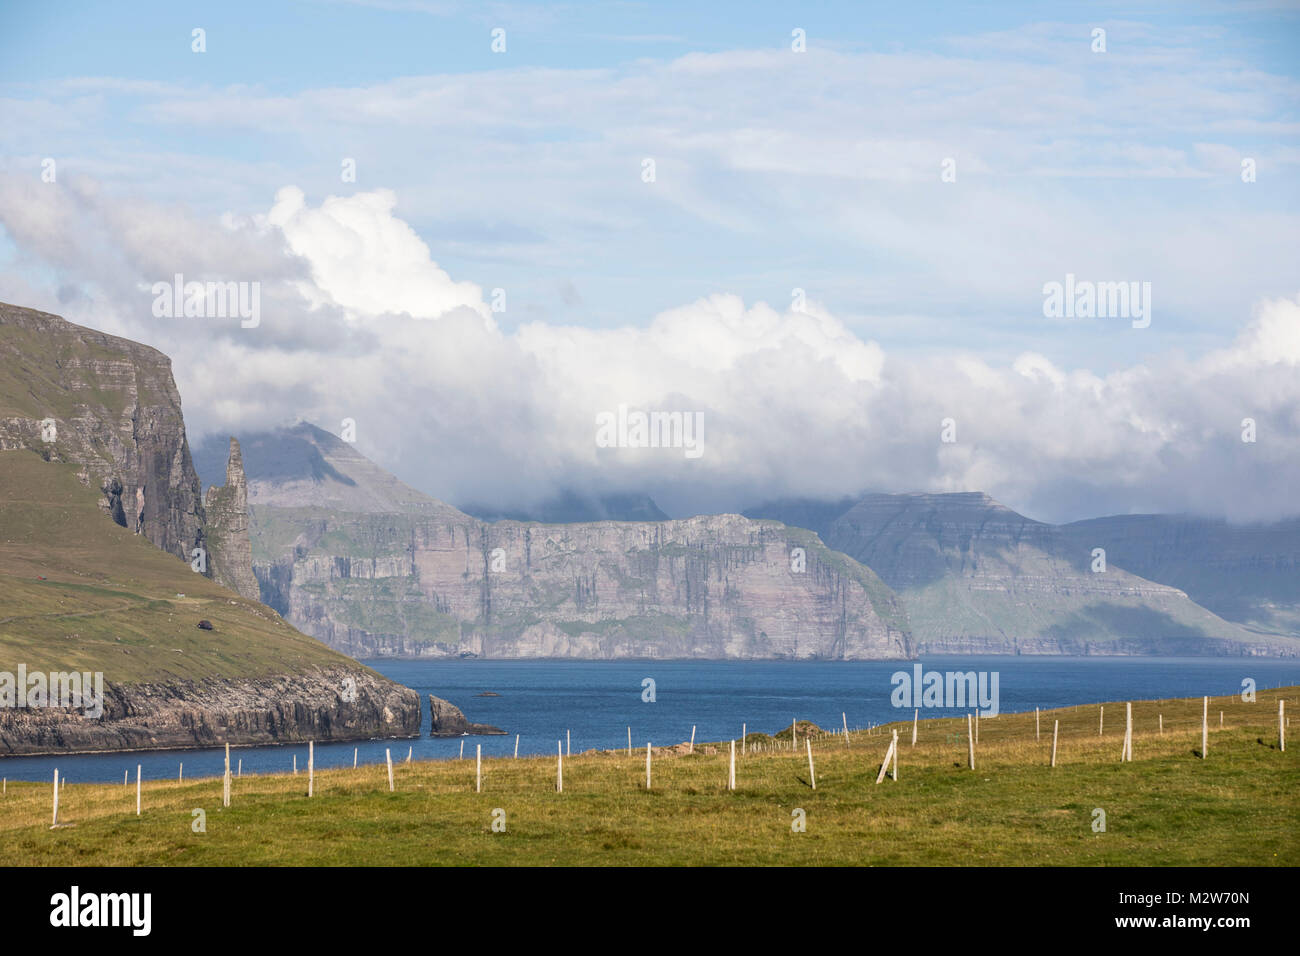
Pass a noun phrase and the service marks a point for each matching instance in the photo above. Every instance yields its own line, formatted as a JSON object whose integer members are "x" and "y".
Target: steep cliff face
{"x": 428, "y": 580}
{"x": 977, "y": 577}
{"x": 109, "y": 406}
{"x": 230, "y": 552}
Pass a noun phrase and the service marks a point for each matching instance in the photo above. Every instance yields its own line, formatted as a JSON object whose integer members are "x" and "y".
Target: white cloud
{"x": 794, "y": 402}
{"x": 364, "y": 259}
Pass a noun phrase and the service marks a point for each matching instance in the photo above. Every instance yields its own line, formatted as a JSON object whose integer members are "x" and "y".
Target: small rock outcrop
{"x": 449, "y": 721}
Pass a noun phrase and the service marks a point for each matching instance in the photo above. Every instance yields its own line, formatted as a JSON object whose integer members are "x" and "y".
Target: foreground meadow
{"x": 1168, "y": 807}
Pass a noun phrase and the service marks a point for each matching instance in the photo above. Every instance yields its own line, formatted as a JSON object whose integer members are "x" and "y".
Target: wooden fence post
{"x": 731, "y": 778}
{"x": 55, "y": 821}
{"x": 884, "y": 766}
{"x": 895, "y": 775}
{"x": 388, "y": 758}
{"x": 1056, "y": 725}
{"x": 354, "y": 757}
{"x": 970, "y": 737}
{"x": 647, "y": 765}
{"x": 559, "y": 767}
{"x": 1126, "y": 754}
{"x": 629, "y": 740}
{"x": 1101, "y": 720}
{"x": 812, "y": 774}
{"x": 1205, "y": 727}
{"x": 516, "y": 746}
{"x": 137, "y": 790}
{"x": 311, "y": 767}
{"x": 478, "y": 768}
{"x": 1038, "y": 735}
{"x": 1281, "y": 725}
{"x": 845, "y": 719}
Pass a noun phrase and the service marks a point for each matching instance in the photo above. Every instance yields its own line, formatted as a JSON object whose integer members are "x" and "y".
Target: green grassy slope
{"x": 32, "y": 363}
{"x": 79, "y": 592}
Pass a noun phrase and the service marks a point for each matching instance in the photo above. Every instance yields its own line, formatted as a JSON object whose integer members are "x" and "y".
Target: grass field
{"x": 1168, "y": 807}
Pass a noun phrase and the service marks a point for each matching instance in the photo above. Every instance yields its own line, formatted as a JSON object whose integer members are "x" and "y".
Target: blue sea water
{"x": 596, "y": 701}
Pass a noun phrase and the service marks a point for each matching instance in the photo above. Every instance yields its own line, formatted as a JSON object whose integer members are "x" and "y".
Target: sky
{"x": 825, "y": 232}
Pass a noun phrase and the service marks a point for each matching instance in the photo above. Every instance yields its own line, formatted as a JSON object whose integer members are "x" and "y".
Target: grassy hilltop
{"x": 1167, "y": 808}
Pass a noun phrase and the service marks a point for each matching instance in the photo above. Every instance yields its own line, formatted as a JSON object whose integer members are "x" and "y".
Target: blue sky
{"x": 290, "y": 45}
{"x": 776, "y": 170}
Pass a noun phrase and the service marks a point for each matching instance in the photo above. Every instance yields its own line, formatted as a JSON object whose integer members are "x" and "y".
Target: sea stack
{"x": 448, "y": 721}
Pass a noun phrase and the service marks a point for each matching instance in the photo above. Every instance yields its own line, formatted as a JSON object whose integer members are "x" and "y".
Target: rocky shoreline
{"x": 334, "y": 704}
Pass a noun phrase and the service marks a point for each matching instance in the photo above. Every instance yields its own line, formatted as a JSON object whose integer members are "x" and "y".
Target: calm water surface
{"x": 596, "y": 701}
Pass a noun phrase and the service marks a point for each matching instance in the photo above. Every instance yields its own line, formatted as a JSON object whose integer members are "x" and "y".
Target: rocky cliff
{"x": 109, "y": 406}
{"x": 230, "y": 552}
{"x": 91, "y": 582}
{"x": 373, "y": 567}
{"x": 331, "y": 703}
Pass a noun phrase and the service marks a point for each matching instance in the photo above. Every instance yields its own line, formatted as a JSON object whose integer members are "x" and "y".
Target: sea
{"x": 582, "y": 705}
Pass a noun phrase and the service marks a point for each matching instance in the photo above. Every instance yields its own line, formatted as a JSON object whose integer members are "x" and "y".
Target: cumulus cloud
{"x": 366, "y": 260}
{"x": 362, "y": 323}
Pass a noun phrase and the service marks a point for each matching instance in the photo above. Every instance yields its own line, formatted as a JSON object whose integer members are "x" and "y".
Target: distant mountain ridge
{"x": 292, "y": 472}
{"x": 1249, "y": 574}
{"x": 571, "y": 507}
{"x": 976, "y": 576}
{"x": 287, "y": 469}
